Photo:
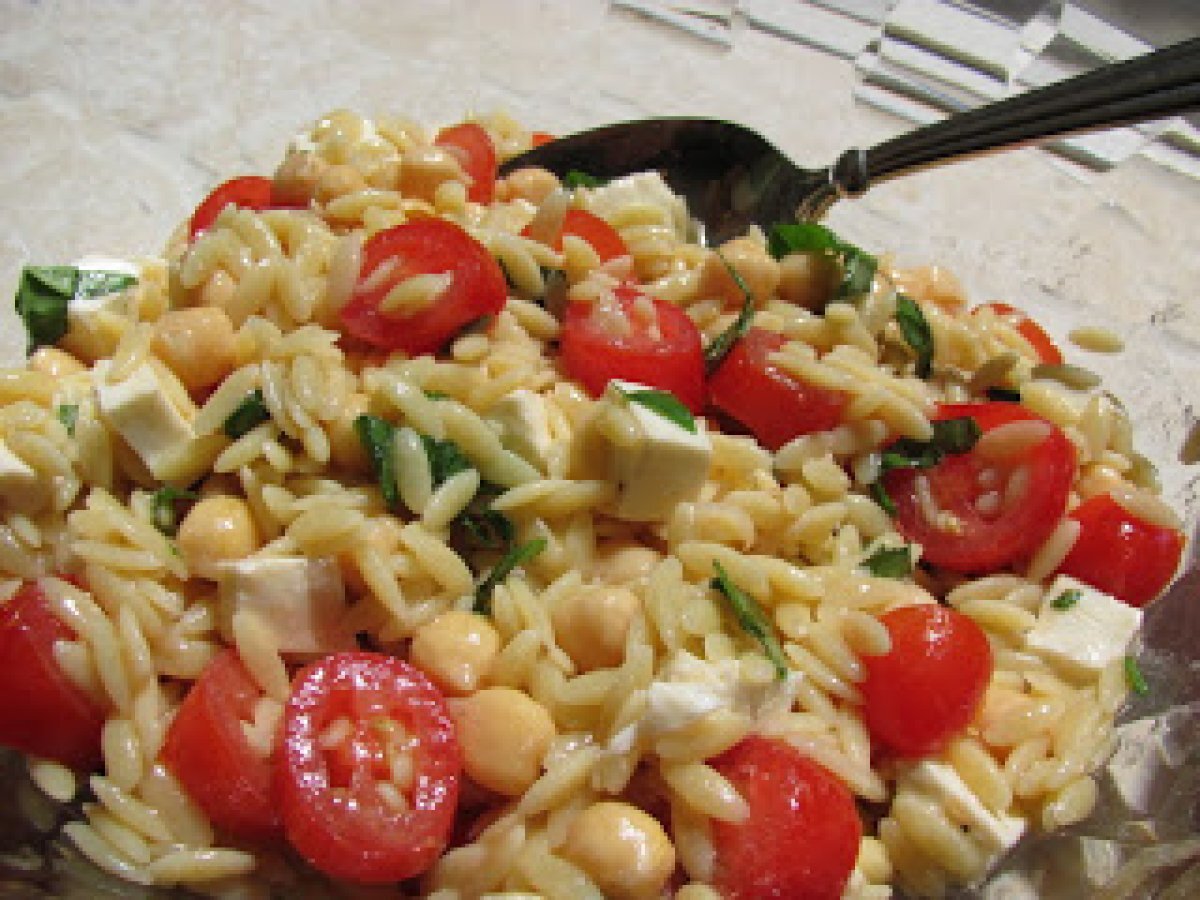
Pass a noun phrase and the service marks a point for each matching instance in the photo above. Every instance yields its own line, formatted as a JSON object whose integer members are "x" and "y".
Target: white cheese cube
{"x": 644, "y": 189}
{"x": 18, "y": 481}
{"x": 691, "y": 689}
{"x": 993, "y": 832}
{"x": 524, "y": 426}
{"x": 141, "y": 411}
{"x": 665, "y": 466}
{"x": 302, "y": 600}
{"x": 1087, "y": 635}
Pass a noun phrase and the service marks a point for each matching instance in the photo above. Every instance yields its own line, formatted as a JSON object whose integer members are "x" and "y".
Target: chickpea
{"x": 296, "y": 178}
{"x": 533, "y": 183}
{"x": 55, "y": 363}
{"x": 197, "y": 344}
{"x": 504, "y": 734}
{"x": 456, "y": 650}
{"x": 620, "y": 562}
{"x": 215, "y": 530}
{"x": 751, "y": 261}
{"x": 345, "y": 448}
{"x": 591, "y": 624}
{"x": 422, "y": 169}
{"x": 808, "y": 279}
{"x": 337, "y": 181}
{"x": 623, "y": 849}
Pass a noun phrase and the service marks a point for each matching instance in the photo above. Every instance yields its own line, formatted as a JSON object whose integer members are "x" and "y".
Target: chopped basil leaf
{"x": 950, "y": 436}
{"x": 752, "y": 619}
{"x": 1003, "y": 395}
{"x": 858, "y": 271}
{"x": 723, "y": 342}
{"x": 379, "y": 439}
{"x": 250, "y": 413}
{"x": 1134, "y": 677}
{"x": 484, "y": 528}
{"x": 575, "y": 178}
{"x": 1067, "y": 598}
{"x": 445, "y": 459}
{"x": 889, "y": 562}
{"x": 916, "y": 331}
{"x": 437, "y": 395}
{"x": 662, "y": 403}
{"x": 68, "y": 414}
{"x": 858, "y": 266}
{"x": 164, "y": 510}
{"x": 880, "y": 495}
{"x": 513, "y": 558}
{"x": 45, "y": 293}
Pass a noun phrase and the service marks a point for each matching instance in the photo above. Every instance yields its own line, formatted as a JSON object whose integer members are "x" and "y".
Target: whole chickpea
{"x": 197, "y": 344}
{"x": 55, "y": 363}
{"x": 504, "y": 735}
{"x": 456, "y": 650}
{"x": 621, "y": 562}
{"x": 623, "y": 849}
{"x": 591, "y": 624}
{"x": 215, "y": 530}
{"x": 337, "y": 181}
{"x": 808, "y": 279}
{"x": 757, "y": 268}
{"x": 295, "y": 182}
{"x": 422, "y": 169}
{"x": 532, "y": 183}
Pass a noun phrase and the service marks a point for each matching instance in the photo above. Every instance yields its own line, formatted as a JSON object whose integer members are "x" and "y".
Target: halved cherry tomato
{"x": 43, "y": 712}
{"x": 605, "y": 239}
{"x": 1120, "y": 554}
{"x": 660, "y": 347}
{"x": 473, "y": 148}
{"x": 207, "y": 750}
{"x": 353, "y": 722}
{"x": 1046, "y": 349}
{"x": 246, "y": 191}
{"x": 801, "y": 837}
{"x": 992, "y": 521}
{"x": 423, "y": 247}
{"x": 773, "y": 404}
{"x": 541, "y": 137}
{"x": 925, "y": 689}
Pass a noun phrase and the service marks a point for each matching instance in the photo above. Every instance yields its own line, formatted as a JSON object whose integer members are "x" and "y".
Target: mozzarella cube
{"x": 301, "y": 599}
{"x": 142, "y": 412}
{"x": 666, "y": 465}
{"x": 1086, "y": 636}
{"x": 993, "y": 832}
{"x": 645, "y": 190}
{"x": 691, "y": 689}
{"x": 524, "y": 426}
{"x": 18, "y": 481}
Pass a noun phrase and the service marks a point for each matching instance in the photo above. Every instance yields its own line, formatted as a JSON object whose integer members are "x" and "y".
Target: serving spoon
{"x": 732, "y": 177}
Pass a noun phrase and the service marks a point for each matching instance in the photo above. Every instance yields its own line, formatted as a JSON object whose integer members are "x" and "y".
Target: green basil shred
{"x": 1134, "y": 677}
{"x": 378, "y": 438}
{"x": 1067, "y": 598}
{"x": 751, "y": 617}
{"x": 164, "y": 509}
{"x": 45, "y": 293}
{"x": 889, "y": 562}
{"x": 916, "y": 331}
{"x": 575, "y": 179}
{"x": 445, "y": 459}
{"x": 68, "y": 414}
{"x": 250, "y": 413}
{"x": 950, "y": 437}
{"x": 662, "y": 403}
{"x": 858, "y": 266}
{"x": 517, "y": 556}
{"x": 723, "y": 342}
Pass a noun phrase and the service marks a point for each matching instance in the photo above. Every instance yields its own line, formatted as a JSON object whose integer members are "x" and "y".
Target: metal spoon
{"x": 733, "y": 177}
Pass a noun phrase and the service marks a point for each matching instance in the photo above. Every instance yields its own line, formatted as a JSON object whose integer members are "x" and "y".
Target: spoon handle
{"x": 1155, "y": 85}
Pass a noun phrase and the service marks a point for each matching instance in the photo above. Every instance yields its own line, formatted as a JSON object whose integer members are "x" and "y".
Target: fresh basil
{"x": 249, "y": 414}
{"x": 479, "y": 527}
{"x": 164, "y": 507}
{"x": 1134, "y": 677}
{"x": 889, "y": 562}
{"x": 880, "y": 495}
{"x": 445, "y": 459}
{"x": 858, "y": 266}
{"x": 378, "y": 438}
{"x": 45, "y": 293}
{"x": 915, "y": 328}
{"x": 1067, "y": 598}
{"x": 751, "y": 617}
{"x": 950, "y": 436}
{"x": 68, "y": 414}
{"x": 576, "y": 179}
{"x": 515, "y": 557}
{"x": 1003, "y": 395}
{"x": 723, "y": 342}
{"x": 662, "y": 403}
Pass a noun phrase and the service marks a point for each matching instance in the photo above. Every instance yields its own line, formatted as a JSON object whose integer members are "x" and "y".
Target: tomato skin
{"x": 927, "y": 688}
{"x": 43, "y": 713}
{"x": 474, "y": 149}
{"x": 986, "y": 544}
{"x": 1037, "y": 337}
{"x": 1120, "y": 554}
{"x": 207, "y": 751}
{"x": 672, "y": 362}
{"x": 605, "y": 239}
{"x": 774, "y": 405}
{"x": 246, "y": 191}
{"x": 332, "y": 812}
{"x": 801, "y": 838}
{"x": 538, "y": 138}
{"x": 419, "y": 247}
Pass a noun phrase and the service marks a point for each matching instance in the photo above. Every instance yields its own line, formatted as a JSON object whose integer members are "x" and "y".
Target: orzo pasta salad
{"x": 409, "y": 525}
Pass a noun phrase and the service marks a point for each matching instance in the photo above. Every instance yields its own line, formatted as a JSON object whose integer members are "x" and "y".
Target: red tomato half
{"x": 1046, "y": 349}
{"x": 43, "y": 713}
{"x": 423, "y": 247}
{"x": 927, "y": 687}
{"x": 801, "y": 837}
{"x": 660, "y": 348}
{"x": 774, "y": 405}
{"x": 207, "y": 750}
{"x": 987, "y": 536}
{"x": 1120, "y": 554}
{"x": 341, "y": 808}
{"x": 246, "y": 191}
{"x": 605, "y": 239}
{"x": 473, "y": 148}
